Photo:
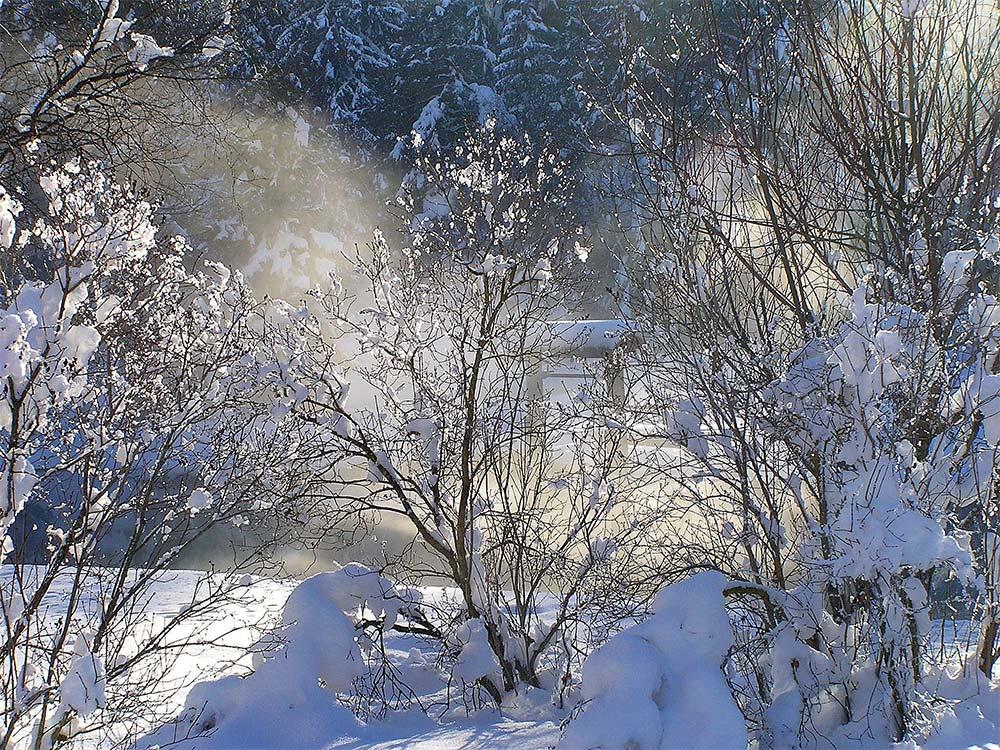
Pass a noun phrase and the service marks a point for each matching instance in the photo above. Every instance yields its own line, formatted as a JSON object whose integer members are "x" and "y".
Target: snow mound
{"x": 476, "y": 659}
{"x": 659, "y": 684}
{"x": 290, "y": 700}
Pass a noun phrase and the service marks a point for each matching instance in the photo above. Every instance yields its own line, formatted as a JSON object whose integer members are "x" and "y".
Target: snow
{"x": 200, "y": 499}
{"x": 9, "y": 211}
{"x": 146, "y": 50}
{"x": 422, "y": 128}
{"x": 215, "y": 45}
{"x": 542, "y": 271}
{"x": 302, "y": 128}
{"x": 113, "y": 28}
{"x": 908, "y": 9}
{"x": 314, "y": 654}
{"x": 476, "y": 659}
{"x": 661, "y": 680}
{"x": 657, "y": 682}
{"x": 211, "y": 643}
{"x": 850, "y": 458}
{"x": 587, "y": 337}
{"x": 289, "y": 700}
{"x": 486, "y": 733}
{"x": 426, "y": 430}
{"x": 82, "y": 689}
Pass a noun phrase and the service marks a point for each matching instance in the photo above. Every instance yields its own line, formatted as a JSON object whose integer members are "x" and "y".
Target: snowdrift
{"x": 289, "y": 701}
{"x": 659, "y": 685}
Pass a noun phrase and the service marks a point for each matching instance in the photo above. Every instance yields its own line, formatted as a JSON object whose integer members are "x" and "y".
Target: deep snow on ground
{"x": 280, "y": 706}
{"x": 657, "y": 685}
{"x": 407, "y": 731}
{"x": 471, "y": 735}
{"x": 256, "y": 712}
{"x": 231, "y": 627}
{"x": 238, "y": 625}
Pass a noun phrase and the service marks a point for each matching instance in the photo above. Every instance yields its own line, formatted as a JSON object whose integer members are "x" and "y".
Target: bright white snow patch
{"x": 82, "y": 689}
{"x": 9, "y": 210}
{"x": 659, "y": 684}
{"x": 289, "y": 701}
{"x": 476, "y": 659}
{"x": 146, "y": 50}
{"x": 200, "y": 499}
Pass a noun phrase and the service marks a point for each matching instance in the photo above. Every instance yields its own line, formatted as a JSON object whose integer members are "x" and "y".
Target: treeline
{"x": 281, "y": 115}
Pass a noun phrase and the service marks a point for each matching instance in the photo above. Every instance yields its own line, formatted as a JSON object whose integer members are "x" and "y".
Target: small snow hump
{"x": 658, "y": 685}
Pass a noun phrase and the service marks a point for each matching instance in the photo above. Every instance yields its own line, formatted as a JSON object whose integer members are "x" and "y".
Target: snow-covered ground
{"x": 411, "y": 731}
{"x": 279, "y": 706}
{"x": 657, "y": 685}
{"x": 231, "y": 626}
{"x": 235, "y": 626}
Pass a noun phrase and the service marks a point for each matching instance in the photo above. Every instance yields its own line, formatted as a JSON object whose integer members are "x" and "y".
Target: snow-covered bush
{"x": 528, "y": 508}
{"x": 820, "y": 345}
{"x": 667, "y": 684}
{"x": 142, "y": 405}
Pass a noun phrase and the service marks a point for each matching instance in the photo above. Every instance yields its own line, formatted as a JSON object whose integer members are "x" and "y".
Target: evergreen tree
{"x": 448, "y": 82}
{"x": 341, "y": 54}
{"x": 533, "y": 71}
